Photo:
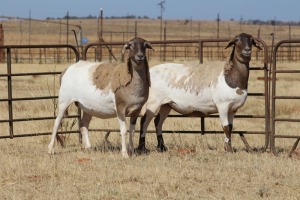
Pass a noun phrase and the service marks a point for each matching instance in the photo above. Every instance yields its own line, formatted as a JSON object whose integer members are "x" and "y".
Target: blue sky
{"x": 282, "y": 10}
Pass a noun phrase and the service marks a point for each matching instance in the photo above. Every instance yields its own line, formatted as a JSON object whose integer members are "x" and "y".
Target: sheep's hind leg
{"x": 145, "y": 120}
{"x": 60, "y": 115}
{"x": 158, "y": 122}
{"x": 84, "y": 125}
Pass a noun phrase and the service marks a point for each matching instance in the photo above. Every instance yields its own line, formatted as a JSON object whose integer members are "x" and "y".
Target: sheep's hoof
{"x": 61, "y": 140}
{"x": 87, "y": 150}
{"x": 161, "y": 148}
{"x": 228, "y": 148}
{"x": 125, "y": 155}
{"x": 51, "y": 151}
{"x": 141, "y": 150}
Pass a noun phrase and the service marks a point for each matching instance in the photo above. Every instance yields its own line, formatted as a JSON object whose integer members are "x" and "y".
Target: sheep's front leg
{"x": 227, "y": 142}
{"x": 226, "y": 121}
{"x": 123, "y": 131}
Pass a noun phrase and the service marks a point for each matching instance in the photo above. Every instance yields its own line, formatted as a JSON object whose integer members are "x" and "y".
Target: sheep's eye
{"x": 131, "y": 47}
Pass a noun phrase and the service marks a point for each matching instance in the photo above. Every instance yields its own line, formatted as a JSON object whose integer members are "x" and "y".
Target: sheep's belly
{"x": 187, "y": 108}
{"x": 188, "y": 103}
{"x": 100, "y": 109}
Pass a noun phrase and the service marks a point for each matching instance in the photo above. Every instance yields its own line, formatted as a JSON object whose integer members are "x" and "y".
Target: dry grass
{"x": 17, "y": 31}
{"x": 27, "y": 172}
{"x": 195, "y": 167}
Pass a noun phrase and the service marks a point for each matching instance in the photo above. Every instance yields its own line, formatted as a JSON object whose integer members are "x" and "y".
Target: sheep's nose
{"x": 248, "y": 49}
{"x": 140, "y": 56}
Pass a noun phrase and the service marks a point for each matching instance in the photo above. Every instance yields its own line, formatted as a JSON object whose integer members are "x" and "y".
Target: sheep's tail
{"x": 66, "y": 113}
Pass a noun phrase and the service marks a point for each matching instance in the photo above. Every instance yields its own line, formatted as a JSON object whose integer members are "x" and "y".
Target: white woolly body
{"x": 75, "y": 88}
{"x": 210, "y": 99}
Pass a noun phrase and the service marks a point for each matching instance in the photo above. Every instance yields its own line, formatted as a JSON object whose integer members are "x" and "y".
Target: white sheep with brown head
{"x": 106, "y": 90}
{"x": 200, "y": 89}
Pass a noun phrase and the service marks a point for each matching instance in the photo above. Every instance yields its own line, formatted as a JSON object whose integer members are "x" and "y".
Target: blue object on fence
{"x": 84, "y": 40}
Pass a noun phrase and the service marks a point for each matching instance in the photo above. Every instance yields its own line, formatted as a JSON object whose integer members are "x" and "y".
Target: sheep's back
{"x": 192, "y": 77}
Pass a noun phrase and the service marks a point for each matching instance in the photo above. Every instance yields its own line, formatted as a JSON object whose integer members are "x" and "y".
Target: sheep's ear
{"x": 125, "y": 47}
{"x": 255, "y": 43}
{"x": 231, "y": 42}
{"x": 148, "y": 45}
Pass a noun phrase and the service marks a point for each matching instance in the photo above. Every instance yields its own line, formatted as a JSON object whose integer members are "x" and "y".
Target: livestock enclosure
{"x": 196, "y": 166}
{"x": 11, "y": 98}
{"x": 262, "y": 115}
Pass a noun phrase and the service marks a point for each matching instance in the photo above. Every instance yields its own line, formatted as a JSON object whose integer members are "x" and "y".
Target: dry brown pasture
{"x": 52, "y": 32}
{"x": 195, "y": 167}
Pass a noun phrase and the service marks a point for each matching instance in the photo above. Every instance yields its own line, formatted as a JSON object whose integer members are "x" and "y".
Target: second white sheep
{"x": 199, "y": 89}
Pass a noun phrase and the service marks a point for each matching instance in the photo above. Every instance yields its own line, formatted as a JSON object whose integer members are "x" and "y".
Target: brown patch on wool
{"x": 239, "y": 91}
{"x": 198, "y": 77}
{"x": 111, "y": 76}
{"x": 227, "y": 67}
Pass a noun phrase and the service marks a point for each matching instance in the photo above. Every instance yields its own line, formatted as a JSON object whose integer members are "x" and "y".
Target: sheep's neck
{"x": 238, "y": 75}
{"x": 140, "y": 74}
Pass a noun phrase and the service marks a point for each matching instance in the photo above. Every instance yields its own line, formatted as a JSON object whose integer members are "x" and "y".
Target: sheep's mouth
{"x": 139, "y": 60}
{"x": 246, "y": 54}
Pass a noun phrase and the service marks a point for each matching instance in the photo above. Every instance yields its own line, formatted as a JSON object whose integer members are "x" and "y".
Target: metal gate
{"x": 10, "y": 95}
{"x": 275, "y": 98}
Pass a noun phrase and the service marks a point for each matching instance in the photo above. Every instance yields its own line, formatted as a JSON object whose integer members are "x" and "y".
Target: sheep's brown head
{"x": 242, "y": 44}
{"x": 137, "y": 49}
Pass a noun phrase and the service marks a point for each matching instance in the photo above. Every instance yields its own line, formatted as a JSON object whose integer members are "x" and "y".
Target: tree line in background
{"x": 249, "y": 22}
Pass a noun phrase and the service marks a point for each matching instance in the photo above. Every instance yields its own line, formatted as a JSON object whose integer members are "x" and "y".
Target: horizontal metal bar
{"x": 257, "y": 68}
{"x": 34, "y": 98}
{"x": 216, "y": 116}
{"x": 30, "y": 98}
{"x": 286, "y": 136}
{"x": 40, "y": 118}
{"x": 4, "y": 100}
{"x": 36, "y": 134}
{"x": 286, "y": 97}
{"x": 286, "y": 71}
{"x": 32, "y": 74}
{"x": 256, "y": 94}
{"x": 182, "y": 131}
{"x": 286, "y": 120}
